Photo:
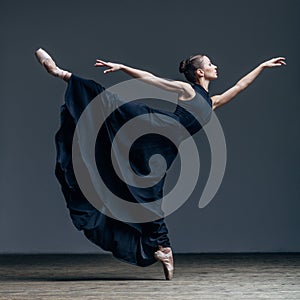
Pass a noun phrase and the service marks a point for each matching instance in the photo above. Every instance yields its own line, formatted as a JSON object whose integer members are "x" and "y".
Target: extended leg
{"x": 46, "y": 60}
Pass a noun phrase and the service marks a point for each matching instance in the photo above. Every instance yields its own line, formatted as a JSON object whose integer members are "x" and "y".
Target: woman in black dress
{"x": 139, "y": 243}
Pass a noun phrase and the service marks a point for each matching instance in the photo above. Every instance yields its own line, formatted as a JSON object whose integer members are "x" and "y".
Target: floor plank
{"x": 197, "y": 276}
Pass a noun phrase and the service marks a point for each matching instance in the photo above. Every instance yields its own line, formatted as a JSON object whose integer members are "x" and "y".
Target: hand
{"x": 112, "y": 66}
{"x": 274, "y": 62}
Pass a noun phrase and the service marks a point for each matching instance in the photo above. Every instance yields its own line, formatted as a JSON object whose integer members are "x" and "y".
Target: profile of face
{"x": 208, "y": 70}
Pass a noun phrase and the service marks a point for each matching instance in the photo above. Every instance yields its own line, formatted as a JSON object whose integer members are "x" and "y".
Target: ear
{"x": 200, "y": 72}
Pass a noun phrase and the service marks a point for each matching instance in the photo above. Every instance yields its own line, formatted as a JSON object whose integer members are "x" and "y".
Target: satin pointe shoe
{"x": 165, "y": 256}
{"x": 46, "y": 60}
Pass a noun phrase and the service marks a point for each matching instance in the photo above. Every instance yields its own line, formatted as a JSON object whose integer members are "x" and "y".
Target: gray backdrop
{"x": 257, "y": 206}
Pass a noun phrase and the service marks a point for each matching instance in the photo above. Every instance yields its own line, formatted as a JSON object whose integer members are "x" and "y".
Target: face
{"x": 209, "y": 70}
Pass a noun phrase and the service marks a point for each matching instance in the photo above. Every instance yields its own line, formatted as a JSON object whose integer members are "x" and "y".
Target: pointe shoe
{"x": 167, "y": 261}
{"x": 46, "y": 60}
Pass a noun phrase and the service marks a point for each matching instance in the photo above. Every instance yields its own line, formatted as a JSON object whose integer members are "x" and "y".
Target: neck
{"x": 204, "y": 83}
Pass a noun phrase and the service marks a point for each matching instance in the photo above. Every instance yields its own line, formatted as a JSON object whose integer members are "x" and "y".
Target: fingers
{"x": 107, "y": 71}
{"x": 276, "y": 62}
{"x": 282, "y": 62}
{"x": 101, "y": 63}
{"x": 98, "y": 64}
{"x": 279, "y": 61}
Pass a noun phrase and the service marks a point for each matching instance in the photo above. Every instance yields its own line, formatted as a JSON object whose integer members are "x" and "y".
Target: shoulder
{"x": 187, "y": 91}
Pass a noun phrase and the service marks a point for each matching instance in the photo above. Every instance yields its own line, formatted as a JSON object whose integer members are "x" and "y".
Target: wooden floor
{"x": 201, "y": 276}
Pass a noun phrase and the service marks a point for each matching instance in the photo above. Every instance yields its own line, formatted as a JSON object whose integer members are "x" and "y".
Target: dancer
{"x": 141, "y": 244}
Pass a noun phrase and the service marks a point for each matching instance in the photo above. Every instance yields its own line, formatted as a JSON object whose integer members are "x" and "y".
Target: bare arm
{"x": 183, "y": 89}
{"x": 243, "y": 83}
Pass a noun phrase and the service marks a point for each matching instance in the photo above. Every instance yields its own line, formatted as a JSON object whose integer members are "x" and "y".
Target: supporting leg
{"x": 165, "y": 256}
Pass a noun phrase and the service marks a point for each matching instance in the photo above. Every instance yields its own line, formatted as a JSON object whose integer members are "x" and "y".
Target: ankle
{"x": 164, "y": 249}
{"x": 57, "y": 72}
{"x": 66, "y": 76}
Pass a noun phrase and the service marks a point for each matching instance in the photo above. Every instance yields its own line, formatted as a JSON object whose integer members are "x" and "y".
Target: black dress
{"x": 128, "y": 241}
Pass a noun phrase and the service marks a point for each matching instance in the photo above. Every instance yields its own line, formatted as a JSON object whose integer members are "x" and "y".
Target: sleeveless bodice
{"x": 195, "y": 113}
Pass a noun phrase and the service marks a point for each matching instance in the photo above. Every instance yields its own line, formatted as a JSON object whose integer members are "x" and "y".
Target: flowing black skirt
{"x": 134, "y": 243}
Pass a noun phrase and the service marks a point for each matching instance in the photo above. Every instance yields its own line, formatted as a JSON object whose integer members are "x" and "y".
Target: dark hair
{"x": 190, "y": 65}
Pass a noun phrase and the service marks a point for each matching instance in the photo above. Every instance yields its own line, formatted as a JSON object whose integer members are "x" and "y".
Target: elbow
{"x": 241, "y": 86}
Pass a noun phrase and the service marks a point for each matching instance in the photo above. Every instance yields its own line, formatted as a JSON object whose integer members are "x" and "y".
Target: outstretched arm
{"x": 184, "y": 90}
{"x": 243, "y": 83}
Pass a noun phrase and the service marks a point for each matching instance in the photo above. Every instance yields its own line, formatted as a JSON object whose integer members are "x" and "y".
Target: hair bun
{"x": 182, "y": 66}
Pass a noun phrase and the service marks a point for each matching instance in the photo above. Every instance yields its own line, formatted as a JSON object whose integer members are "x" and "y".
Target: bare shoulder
{"x": 187, "y": 91}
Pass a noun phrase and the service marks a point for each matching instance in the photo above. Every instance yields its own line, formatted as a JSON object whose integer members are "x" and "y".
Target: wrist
{"x": 122, "y": 67}
{"x": 262, "y": 66}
